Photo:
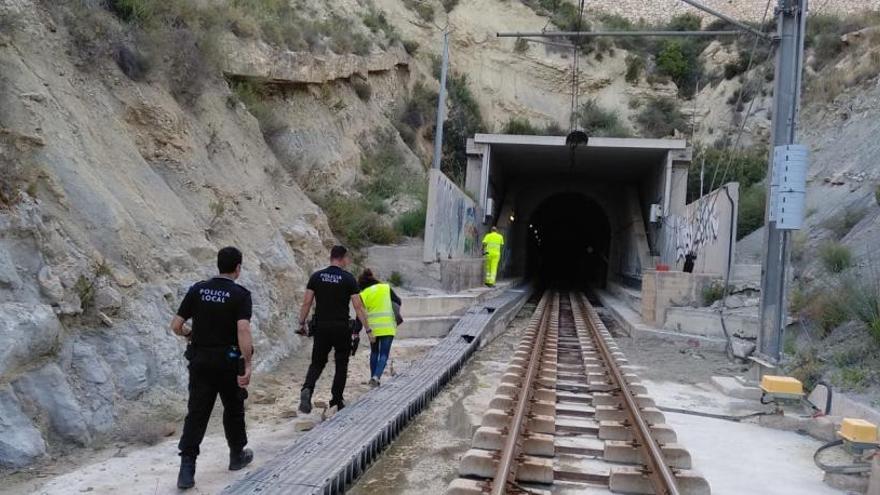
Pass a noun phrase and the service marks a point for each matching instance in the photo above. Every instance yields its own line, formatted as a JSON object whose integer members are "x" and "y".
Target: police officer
{"x": 493, "y": 242}
{"x": 219, "y": 353}
{"x": 333, "y": 289}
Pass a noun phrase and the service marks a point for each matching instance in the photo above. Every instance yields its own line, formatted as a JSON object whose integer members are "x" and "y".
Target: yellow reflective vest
{"x": 492, "y": 243}
{"x": 380, "y": 312}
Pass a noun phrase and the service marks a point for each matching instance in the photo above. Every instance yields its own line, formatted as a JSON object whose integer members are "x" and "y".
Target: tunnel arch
{"x": 569, "y": 242}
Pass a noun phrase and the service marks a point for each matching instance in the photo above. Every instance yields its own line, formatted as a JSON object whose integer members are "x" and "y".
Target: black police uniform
{"x": 333, "y": 288}
{"x": 215, "y": 306}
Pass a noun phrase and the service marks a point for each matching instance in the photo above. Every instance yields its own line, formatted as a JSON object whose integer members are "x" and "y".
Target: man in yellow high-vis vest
{"x": 379, "y": 300}
{"x": 493, "y": 242}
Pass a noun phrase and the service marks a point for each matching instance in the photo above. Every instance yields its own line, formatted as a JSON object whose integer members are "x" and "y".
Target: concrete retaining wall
{"x": 461, "y": 274}
{"x": 706, "y": 322}
{"x": 662, "y": 290}
{"x": 706, "y": 228}
{"x": 451, "y": 227}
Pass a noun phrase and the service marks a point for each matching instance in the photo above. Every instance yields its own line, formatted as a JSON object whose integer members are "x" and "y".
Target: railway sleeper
{"x": 635, "y": 481}
{"x": 616, "y": 430}
{"x": 538, "y": 423}
{"x": 614, "y": 399}
{"x": 483, "y": 464}
{"x": 677, "y": 457}
{"x": 651, "y": 415}
{"x": 506, "y": 403}
{"x": 536, "y": 444}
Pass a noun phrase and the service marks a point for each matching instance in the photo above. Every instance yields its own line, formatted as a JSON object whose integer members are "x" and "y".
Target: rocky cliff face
{"x": 113, "y": 199}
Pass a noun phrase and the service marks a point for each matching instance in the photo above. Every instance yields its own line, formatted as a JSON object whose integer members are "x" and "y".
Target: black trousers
{"x": 327, "y": 337}
{"x": 210, "y": 376}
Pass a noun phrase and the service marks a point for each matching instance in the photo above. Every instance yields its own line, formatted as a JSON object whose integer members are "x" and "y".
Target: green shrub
{"x": 396, "y": 279}
{"x": 386, "y": 174}
{"x": 684, "y": 22}
{"x": 861, "y": 294}
{"x": 598, "y": 121}
{"x": 521, "y": 46}
{"x": 353, "y": 220}
{"x": 807, "y": 368}
{"x": 679, "y": 60}
{"x": 134, "y": 11}
{"x": 520, "y": 126}
{"x": 747, "y": 166}
{"x": 362, "y": 88}
{"x": 411, "y": 46}
{"x": 423, "y": 9}
{"x": 712, "y": 293}
{"x": 412, "y": 223}
{"x": 256, "y": 98}
{"x": 835, "y": 257}
{"x": 635, "y": 64}
{"x": 418, "y": 112}
{"x": 852, "y": 377}
{"x": 448, "y": 5}
{"x": 376, "y": 22}
{"x": 752, "y": 203}
{"x": 877, "y": 194}
{"x": 463, "y": 121}
{"x": 660, "y": 117}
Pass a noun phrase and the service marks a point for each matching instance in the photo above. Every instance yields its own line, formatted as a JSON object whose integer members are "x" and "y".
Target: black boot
{"x": 240, "y": 459}
{"x": 187, "y": 476}
{"x": 339, "y": 403}
{"x": 305, "y": 401}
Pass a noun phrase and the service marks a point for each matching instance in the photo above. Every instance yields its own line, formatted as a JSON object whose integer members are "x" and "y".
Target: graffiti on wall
{"x": 454, "y": 220}
{"x": 696, "y": 231}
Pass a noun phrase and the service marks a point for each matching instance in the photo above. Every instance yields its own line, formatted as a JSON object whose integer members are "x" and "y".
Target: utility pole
{"x": 791, "y": 22}
{"x": 441, "y": 103}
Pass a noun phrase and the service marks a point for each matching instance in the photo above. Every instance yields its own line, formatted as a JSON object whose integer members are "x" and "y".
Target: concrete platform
{"x": 705, "y": 322}
{"x": 329, "y": 458}
{"x": 426, "y": 327}
{"x": 733, "y": 387}
{"x": 631, "y": 324}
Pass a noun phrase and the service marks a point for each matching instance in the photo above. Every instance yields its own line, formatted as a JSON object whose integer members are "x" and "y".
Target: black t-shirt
{"x": 333, "y": 288}
{"x": 215, "y": 306}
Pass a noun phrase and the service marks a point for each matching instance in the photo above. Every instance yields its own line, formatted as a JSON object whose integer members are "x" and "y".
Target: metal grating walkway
{"x": 329, "y": 458}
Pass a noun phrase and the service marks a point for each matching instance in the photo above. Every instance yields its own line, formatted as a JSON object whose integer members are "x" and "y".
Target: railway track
{"x": 571, "y": 416}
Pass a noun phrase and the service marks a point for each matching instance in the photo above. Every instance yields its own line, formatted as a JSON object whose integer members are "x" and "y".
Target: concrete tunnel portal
{"x": 581, "y": 217}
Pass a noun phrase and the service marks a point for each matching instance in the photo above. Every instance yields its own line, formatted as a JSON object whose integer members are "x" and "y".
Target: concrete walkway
{"x": 740, "y": 458}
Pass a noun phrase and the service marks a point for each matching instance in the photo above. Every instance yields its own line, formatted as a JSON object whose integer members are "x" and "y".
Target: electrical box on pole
{"x": 788, "y": 186}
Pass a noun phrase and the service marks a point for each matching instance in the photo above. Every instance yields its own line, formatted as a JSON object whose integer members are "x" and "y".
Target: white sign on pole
{"x": 789, "y": 186}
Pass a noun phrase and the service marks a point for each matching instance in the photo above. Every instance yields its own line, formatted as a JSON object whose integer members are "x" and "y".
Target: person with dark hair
{"x": 220, "y": 352}
{"x": 379, "y": 300}
{"x": 331, "y": 290}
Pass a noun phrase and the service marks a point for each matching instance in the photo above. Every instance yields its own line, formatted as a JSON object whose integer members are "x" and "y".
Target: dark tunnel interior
{"x": 569, "y": 243}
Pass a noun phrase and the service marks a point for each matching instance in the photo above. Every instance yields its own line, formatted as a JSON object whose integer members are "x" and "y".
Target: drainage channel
{"x": 570, "y": 416}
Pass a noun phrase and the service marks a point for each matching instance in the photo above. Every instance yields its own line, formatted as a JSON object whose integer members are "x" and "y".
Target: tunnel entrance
{"x": 569, "y": 241}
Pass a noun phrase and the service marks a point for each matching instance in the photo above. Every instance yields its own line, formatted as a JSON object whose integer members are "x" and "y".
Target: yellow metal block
{"x": 858, "y": 431}
{"x": 782, "y": 385}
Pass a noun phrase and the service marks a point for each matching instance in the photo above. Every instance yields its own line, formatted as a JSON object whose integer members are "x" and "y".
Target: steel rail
{"x": 658, "y": 470}
{"x": 506, "y": 472}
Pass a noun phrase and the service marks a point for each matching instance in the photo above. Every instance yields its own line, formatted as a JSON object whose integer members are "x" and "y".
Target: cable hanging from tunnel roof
{"x": 575, "y": 72}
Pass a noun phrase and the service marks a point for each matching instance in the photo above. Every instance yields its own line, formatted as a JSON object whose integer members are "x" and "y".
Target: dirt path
{"x": 272, "y": 426}
{"x": 424, "y": 459}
